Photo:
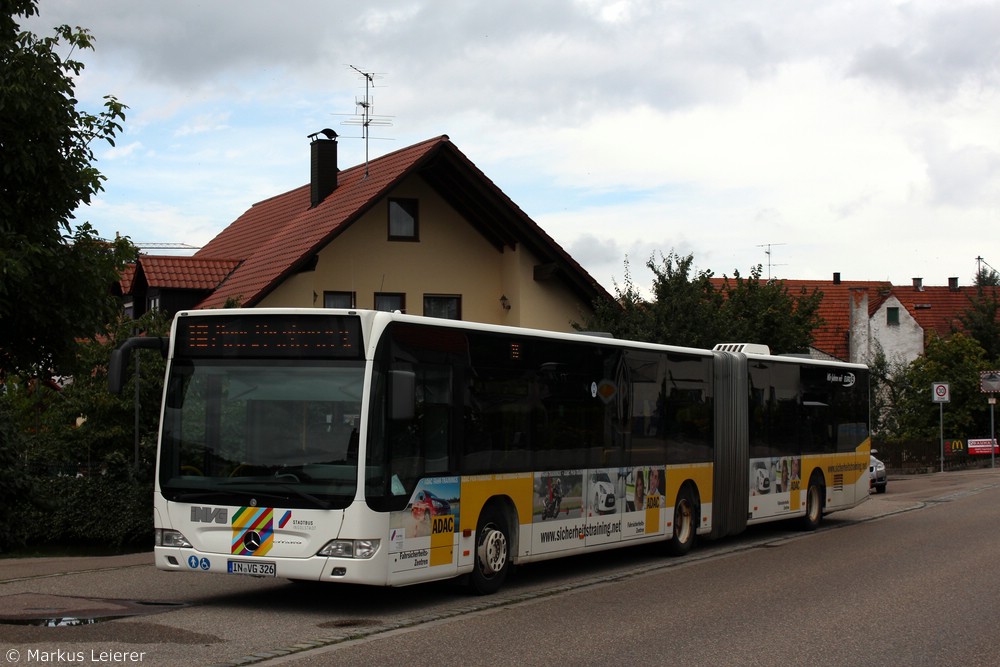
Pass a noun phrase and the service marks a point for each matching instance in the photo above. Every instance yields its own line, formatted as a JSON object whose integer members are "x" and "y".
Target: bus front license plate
{"x": 253, "y": 569}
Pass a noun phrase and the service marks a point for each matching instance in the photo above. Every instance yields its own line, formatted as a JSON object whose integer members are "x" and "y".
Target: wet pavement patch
{"x": 60, "y": 611}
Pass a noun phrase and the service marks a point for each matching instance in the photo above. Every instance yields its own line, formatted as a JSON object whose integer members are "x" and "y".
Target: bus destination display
{"x": 270, "y": 336}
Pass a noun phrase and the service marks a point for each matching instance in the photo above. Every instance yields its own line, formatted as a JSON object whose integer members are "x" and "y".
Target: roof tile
{"x": 275, "y": 235}
{"x": 935, "y": 309}
{"x": 185, "y": 272}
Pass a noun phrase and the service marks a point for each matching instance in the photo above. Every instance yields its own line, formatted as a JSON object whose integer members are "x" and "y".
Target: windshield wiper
{"x": 205, "y": 496}
{"x": 256, "y": 482}
{"x": 322, "y": 504}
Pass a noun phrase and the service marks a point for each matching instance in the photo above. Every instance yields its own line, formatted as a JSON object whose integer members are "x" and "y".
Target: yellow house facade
{"x": 449, "y": 260}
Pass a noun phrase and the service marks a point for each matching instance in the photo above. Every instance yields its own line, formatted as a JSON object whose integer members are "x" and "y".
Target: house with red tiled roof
{"x": 902, "y": 318}
{"x": 862, "y": 317}
{"x": 421, "y": 230}
{"x": 171, "y": 283}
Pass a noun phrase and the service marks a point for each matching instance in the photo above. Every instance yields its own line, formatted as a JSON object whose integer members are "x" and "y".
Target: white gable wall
{"x": 900, "y": 342}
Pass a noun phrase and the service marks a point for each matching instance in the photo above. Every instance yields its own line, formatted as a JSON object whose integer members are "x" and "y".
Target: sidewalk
{"x": 13, "y": 569}
{"x": 878, "y": 505}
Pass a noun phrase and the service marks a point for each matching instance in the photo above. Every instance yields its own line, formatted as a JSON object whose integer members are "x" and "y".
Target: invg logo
{"x": 209, "y": 515}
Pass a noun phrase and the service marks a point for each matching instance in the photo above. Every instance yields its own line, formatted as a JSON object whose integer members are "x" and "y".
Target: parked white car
{"x": 876, "y": 472}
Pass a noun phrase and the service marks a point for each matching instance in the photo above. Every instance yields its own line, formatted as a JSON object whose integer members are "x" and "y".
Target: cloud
{"x": 122, "y": 151}
{"x": 935, "y": 49}
{"x": 212, "y": 122}
{"x": 854, "y": 134}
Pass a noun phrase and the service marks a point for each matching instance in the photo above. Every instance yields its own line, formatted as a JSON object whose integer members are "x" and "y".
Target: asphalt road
{"x": 906, "y": 578}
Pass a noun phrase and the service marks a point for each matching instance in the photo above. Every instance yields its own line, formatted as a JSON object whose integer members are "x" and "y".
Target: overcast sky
{"x": 853, "y": 137}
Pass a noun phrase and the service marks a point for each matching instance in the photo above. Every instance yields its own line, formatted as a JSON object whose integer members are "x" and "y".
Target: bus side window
{"x": 405, "y": 462}
{"x": 436, "y": 419}
{"x": 434, "y": 400}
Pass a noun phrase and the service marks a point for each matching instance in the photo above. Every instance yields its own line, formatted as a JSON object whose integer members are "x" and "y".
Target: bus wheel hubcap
{"x": 682, "y": 522}
{"x": 493, "y": 551}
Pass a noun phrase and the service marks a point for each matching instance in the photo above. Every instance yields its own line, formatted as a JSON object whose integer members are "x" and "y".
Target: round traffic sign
{"x": 941, "y": 392}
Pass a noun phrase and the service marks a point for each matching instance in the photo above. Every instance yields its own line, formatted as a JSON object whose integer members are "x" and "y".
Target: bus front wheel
{"x": 685, "y": 524}
{"x": 492, "y": 553}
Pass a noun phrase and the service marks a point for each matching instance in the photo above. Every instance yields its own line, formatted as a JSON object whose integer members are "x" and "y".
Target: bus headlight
{"x": 163, "y": 537}
{"x": 363, "y": 549}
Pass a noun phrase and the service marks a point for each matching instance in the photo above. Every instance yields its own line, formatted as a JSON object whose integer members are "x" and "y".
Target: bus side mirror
{"x": 116, "y": 371}
{"x": 120, "y": 357}
{"x": 402, "y": 395}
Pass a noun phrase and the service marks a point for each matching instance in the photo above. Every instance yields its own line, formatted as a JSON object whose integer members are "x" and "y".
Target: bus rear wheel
{"x": 685, "y": 524}
{"x": 814, "y": 504}
{"x": 492, "y": 553}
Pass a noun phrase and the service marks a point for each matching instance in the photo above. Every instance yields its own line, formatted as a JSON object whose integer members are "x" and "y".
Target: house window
{"x": 443, "y": 306}
{"x": 390, "y": 301}
{"x": 339, "y": 300}
{"x": 403, "y": 220}
{"x": 892, "y": 316}
{"x": 153, "y": 302}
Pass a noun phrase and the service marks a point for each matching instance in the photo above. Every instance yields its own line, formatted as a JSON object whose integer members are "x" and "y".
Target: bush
{"x": 14, "y": 486}
{"x": 921, "y": 454}
{"x": 105, "y": 513}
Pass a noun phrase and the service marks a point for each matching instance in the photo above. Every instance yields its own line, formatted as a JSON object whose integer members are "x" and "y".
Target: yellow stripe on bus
{"x": 476, "y": 490}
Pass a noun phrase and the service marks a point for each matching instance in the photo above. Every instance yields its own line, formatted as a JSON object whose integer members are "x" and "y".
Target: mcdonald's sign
{"x": 954, "y": 447}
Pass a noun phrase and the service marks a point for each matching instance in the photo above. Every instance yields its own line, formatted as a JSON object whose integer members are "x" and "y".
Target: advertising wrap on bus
{"x": 387, "y": 449}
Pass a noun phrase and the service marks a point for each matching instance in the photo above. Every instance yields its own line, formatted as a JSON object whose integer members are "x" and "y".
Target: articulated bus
{"x": 388, "y": 449}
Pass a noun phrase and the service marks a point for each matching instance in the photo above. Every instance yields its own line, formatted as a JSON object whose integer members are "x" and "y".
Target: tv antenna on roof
{"x": 768, "y": 253}
{"x": 364, "y": 108}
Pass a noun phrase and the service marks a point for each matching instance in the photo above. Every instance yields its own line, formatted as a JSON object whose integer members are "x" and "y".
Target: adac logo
{"x": 443, "y": 524}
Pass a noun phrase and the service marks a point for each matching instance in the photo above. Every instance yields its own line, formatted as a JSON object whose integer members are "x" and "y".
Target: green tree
{"x": 55, "y": 274}
{"x": 81, "y": 425}
{"x": 50, "y": 434}
{"x": 980, "y": 321}
{"x": 625, "y": 317}
{"x": 14, "y": 485}
{"x": 682, "y": 310}
{"x": 957, "y": 360}
{"x": 687, "y": 309}
{"x": 887, "y": 383}
{"x": 987, "y": 277}
{"x": 764, "y": 311}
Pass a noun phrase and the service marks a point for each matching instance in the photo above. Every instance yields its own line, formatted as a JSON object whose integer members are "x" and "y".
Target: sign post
{"x": 941, "y": 394}
{"x": 989, "y": 383}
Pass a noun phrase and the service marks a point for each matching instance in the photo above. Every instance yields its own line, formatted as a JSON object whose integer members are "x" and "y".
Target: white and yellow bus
{"x": 386, "y": 449}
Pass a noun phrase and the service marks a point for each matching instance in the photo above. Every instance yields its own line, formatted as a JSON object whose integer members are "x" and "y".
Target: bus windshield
{"x": 271, "y": 431}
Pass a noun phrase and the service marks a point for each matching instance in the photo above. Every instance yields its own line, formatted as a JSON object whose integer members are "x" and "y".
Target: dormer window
{"x": 404, "y": 220}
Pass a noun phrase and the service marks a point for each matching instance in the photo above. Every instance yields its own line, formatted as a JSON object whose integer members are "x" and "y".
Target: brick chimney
{"x": 836, "y": 278}
{"x": 323, "y": 163}
{"x": 918, "y": 284}
{"x": 953, "y": 284}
